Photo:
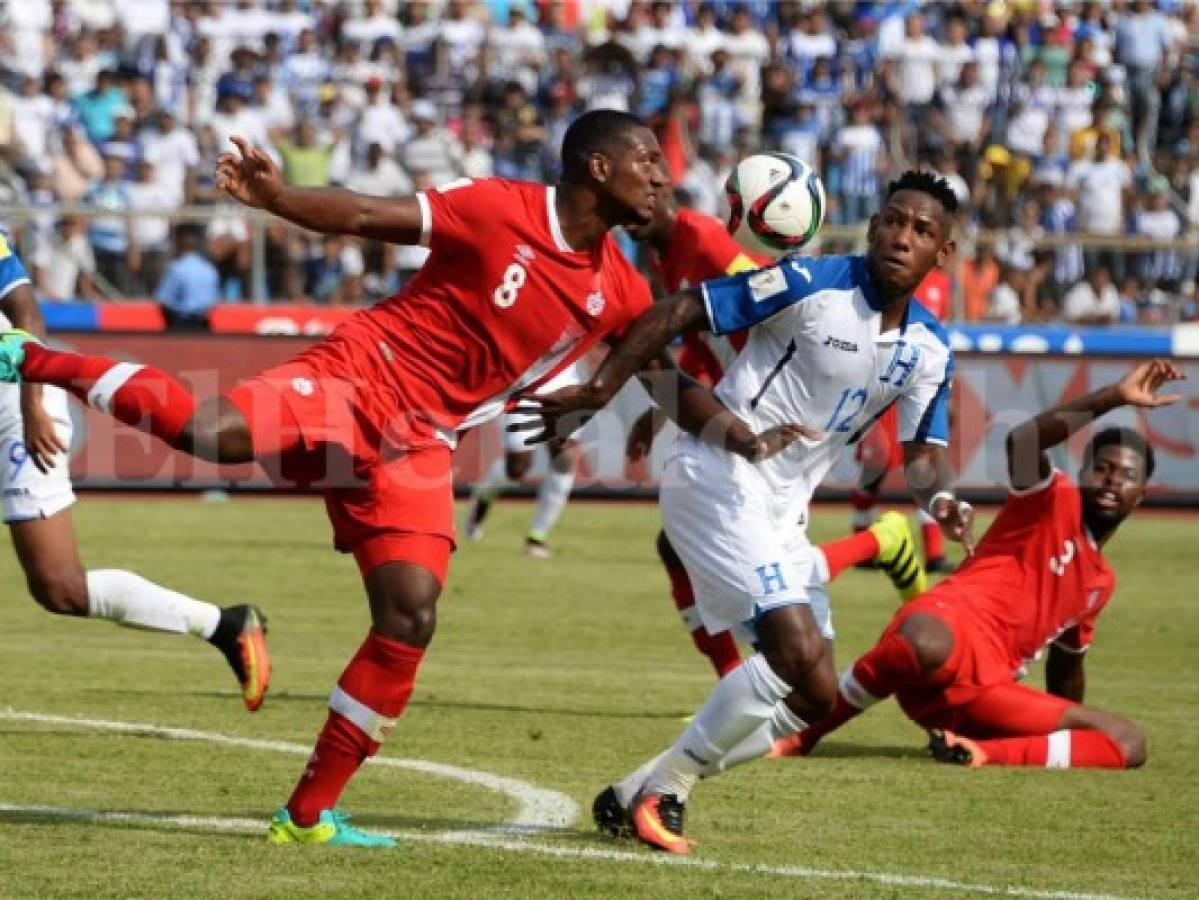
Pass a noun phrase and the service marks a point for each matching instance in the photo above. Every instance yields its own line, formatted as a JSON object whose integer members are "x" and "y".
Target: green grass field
{"x": 561, "y": 674}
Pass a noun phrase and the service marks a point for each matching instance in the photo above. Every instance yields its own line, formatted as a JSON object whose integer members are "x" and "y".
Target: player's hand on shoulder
{"x": 558, "y": 414}
{"x": 1141, "y": 385}
{"x": 42, "y": 441}
{"x": 249, "y": 176}
{"x": 774, "y": 441}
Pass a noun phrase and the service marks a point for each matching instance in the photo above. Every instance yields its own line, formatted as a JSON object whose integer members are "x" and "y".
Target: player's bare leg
{"x": 793, "y": 673}
{"x": 902, "y": 658}
{"x": 48, "y": 553}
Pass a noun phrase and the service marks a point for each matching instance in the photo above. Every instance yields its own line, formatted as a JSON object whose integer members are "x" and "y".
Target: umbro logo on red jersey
{"x": 525, "y": 252}
{"x": 595, "y": 303}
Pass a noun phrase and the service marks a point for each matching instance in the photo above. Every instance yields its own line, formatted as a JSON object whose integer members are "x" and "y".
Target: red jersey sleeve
{"x": 455, "y": 214}
{"x": 1078, "y": 639}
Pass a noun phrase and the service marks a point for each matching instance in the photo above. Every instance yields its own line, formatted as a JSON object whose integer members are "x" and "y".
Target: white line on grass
{"x": 540, "y": 810}
{"x": 459, "y": 838}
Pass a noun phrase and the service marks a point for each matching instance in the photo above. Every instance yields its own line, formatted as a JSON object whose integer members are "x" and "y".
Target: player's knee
{"x": 517, "y": 465}
{"x": 796, "y": 658}
{"x": 403, "y": 600}
{"x": 930, "y": 640}
{"x": 61, "y": 593}
{"x": 1133, "y": 745}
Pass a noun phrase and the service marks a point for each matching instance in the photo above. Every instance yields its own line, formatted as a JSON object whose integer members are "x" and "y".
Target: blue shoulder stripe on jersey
{"x": 739, "y": 301}
{"x": 934, "y": 424}
{"x": 919, "y": 314}
{"x": 12, "y": 273}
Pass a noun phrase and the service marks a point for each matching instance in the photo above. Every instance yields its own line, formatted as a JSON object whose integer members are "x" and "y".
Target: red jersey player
{"x": 522, "y": 280}
{"x": 1038, "y": 579}
{"x": 688, "y": 248}
{"x": 880, "y": 450}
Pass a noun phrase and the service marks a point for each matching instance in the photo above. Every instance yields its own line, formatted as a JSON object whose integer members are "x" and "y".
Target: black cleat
{"x": 609, "y": 816}
{"x": 241, "y": 637}
{"x": 947, "y": 747}
{"x": 475, "y": 515}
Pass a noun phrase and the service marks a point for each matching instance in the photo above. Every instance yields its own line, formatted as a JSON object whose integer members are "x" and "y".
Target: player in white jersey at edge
{"x": 35, "y": 432}
{"x": 834, "y": 342}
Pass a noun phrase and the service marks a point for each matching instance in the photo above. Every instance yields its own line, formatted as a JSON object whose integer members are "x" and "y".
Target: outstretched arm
{"x": 251, "y": 177}
{"x": 1028, "y": 464}
{"x": 930, "y": 479}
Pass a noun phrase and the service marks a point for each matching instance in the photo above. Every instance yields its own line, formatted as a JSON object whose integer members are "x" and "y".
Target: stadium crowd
{"x": 1051, "y": 120}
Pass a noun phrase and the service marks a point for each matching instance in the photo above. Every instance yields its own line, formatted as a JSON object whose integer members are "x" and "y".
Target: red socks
{"x": 1078, "y": 749}
{"x": 931, "y": 537}
{"x": 140, "y": 396}
{"x": 857, "y": 548}
{"x": 370, "y": 695}
{"x": 720, "y": 649}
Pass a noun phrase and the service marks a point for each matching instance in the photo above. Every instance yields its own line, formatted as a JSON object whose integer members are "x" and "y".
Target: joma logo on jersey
{"x": 838, "y": 344}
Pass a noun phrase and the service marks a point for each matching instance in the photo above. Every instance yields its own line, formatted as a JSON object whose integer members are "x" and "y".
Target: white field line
{"x": 544, "y": 813}
{"x": 538, "y": 809}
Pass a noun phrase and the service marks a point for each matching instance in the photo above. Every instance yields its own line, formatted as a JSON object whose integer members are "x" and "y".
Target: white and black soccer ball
{"x": 776, "y": 203}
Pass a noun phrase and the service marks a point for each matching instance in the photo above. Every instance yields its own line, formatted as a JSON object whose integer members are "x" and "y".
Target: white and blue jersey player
{"x": 29, "y": 493}
{"x": 818, "y": 354}
{"x": 833, "y": 342}
{"x": 35, "y": 432}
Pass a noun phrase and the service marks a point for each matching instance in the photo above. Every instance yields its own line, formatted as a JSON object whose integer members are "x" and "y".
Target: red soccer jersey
{"x": 1037, "y": 575}
{"x": 701, "y": 249}
{"x": 501, "y": 304}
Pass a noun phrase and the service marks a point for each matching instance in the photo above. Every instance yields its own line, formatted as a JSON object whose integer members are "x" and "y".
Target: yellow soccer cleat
{"x": 897, "y": 555}
{"x": 332, "y": 829}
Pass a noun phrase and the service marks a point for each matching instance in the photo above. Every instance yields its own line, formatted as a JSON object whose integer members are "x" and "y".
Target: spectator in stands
{"x": 1100, "y": 187}
{"x": 175, "y": 155}
{"x": 432, "y": 150}
{"x": 1093, "y": 301}
{"x": 1159, "y": 267}
{"x": 1005, "y": 305}
{"x": 335, "y": 274}
{"x": 97, "y": 108}
{"x": 379, "y": 175}
{"x": 149, "y": 234}
{"x": 191, "y": 285}
{"x": 961, "y": 113}
{"x": 1144, "y": 46}
{"x": 858, "y": 148}
{"x": 109, "y": 231}
{"x": 305, "y": 159}
{"x": 63, "y": 266}
{"x": 980, "y": 276}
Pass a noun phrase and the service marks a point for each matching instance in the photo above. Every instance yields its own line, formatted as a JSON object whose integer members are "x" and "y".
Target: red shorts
{"x": 387, "y": 482}
{"x": 880, "y": 449}
{"x": 975, "y": 693}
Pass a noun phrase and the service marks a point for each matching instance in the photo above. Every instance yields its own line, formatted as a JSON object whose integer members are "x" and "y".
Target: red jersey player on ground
{"x": 880, "y": 450}
{"x": 522, "y": 280}
{"x": 688, "y": 248}
{"x": 1037, "y": 579}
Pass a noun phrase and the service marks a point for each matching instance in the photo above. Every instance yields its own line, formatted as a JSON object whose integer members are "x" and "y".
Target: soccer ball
{"x": 776, "y": 203}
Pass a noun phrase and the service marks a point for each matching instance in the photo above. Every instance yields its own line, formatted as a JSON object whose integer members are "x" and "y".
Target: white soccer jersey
{"x": 816, "y": 356}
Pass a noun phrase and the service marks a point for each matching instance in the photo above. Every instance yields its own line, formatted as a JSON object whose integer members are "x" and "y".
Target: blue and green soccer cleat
{"x": 12, "y": 353}
{"x": 333, "y": 828}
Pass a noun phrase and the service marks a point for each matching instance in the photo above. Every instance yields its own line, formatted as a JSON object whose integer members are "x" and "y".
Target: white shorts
{"x": 514, "y": 441}
{"x": 741, "y": 561}
{"x": 28, "y": 493}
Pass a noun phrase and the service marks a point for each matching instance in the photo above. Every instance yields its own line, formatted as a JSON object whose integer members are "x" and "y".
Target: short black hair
{"x": 1122, "y": 437}
{"x": 598, "y": 131}
{"x": 926, "y": 183}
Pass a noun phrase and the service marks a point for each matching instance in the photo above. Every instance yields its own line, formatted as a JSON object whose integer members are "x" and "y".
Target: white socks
{"x": 131, "y": 600}
{"x": 743, "y": 700}
{"x": 551, "y": 500}
{"x": 492, "y": 482}
{"x": 782, "y": 723}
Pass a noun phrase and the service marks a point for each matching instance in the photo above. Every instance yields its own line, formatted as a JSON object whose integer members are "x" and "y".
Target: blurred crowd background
{"x": 1070, "y": 130}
